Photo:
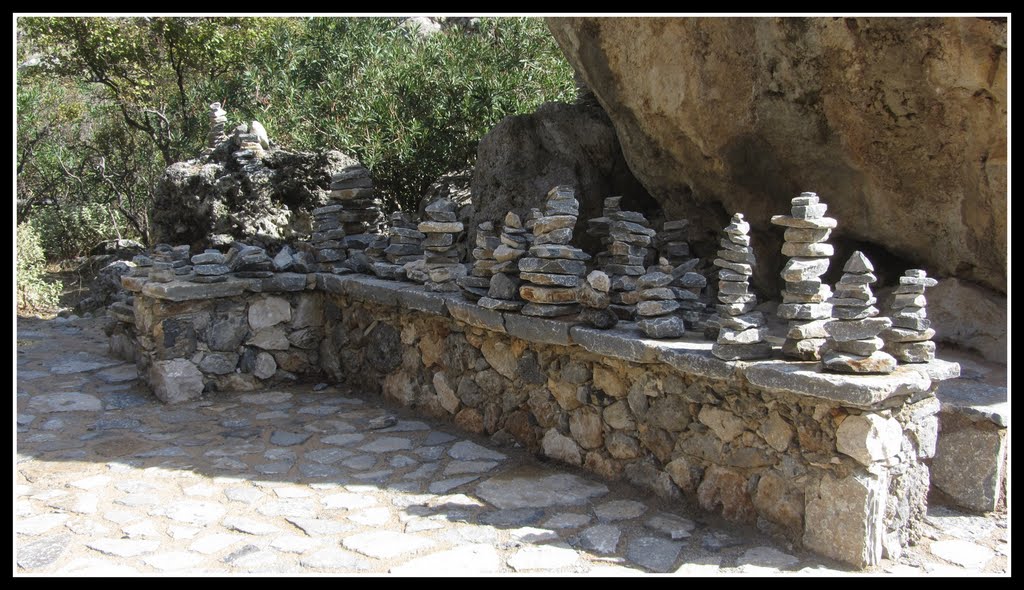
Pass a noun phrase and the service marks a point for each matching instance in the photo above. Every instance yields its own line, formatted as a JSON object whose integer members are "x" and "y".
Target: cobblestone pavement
{"x": 295, "y": 481}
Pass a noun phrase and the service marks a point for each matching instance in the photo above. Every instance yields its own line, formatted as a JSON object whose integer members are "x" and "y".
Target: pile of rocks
{"x": 327, "y": 237}
{"x": 657, "y": 303}
{"x": 360, "y": 213}
{"x": 593, "y": 297}
{"x": 442, "y": 256}
{"x": 170, "y": 263}
{"x": 141, "y": 265}
{"x": 405, "y": 245}
{"x": 289, "y": 260}
{"x": 218, "y": 119}
{"x": 909, "y": 338}
{"x": 626, "y": 236}
{"x": 478, "y": 282}
{"x": 742, "y": 332}
{"x": 503, "y": 290}
{"x": 853, "y": 345}
{"x": 672, "y": 246}
{"x": 249, "y": 262}
{"x": 210, "y": 267}
{"x": 552, "y": 271}
{"x": 805, "y": 297}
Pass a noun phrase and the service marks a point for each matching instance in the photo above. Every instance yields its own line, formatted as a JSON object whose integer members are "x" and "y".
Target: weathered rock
{"x": 560, "y": 447}
{"x": 810, "y": 114}
{"x": 844, "y": 519}
{"x": 869, "y": 438}
{"x": 175, "y": 381}
{"x": 841, "y": 362}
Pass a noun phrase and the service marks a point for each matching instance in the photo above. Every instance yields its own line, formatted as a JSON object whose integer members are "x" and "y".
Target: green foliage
{"x": 409, "y": 108}
{"x": 34, "y": 292}
{"x": 112, "y": 101}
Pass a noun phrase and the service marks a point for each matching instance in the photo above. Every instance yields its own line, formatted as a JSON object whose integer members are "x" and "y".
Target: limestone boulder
{"x": 899, "y": 124}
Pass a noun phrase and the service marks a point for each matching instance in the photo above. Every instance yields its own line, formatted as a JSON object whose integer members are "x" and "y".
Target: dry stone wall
{"x": 832, "y": 462}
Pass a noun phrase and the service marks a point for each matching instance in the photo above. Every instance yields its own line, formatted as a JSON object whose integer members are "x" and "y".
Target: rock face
{"x": 197, "y": 200}
{"x": 523, "y": 156}
{"x": 900, "y": 123}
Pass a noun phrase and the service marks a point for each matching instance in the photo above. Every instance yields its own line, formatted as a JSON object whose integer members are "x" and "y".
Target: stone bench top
{"x": 977, "y": 401}
{"x": 690, "y": 354}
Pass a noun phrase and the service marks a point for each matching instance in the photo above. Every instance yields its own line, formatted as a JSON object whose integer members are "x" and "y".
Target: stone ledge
{"x": 807, "y": 378}
{"x": 976, "y": 401}
{"x": 419, "y": 299}
{"x": 620, "y": 342}
{"x": 134, "y": 284}
{"x": 185, "y": 291}
{"x": 474, "y": 315}
{"x": 121, "y": 312}
{"x": 534, "y": 329}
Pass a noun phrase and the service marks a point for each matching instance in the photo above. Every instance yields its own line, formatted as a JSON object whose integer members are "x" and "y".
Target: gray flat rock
{"x": 543, "y": 558}
{"x": 513, "y": 517}
{"x": 603, "y": 538}
{"x": 385, "y": 544}
{"x": 619, "y": 510}
{"x": 676, "y": 527}
{"x": 858, "y": 390}
{"x": 387, "y": 444}
{"x": 287, "y": 439}
{"x": 978, "y": 401}
{"x": 42, "y": 552}
{"x": 123, "y": 547}
{"x": 767, "y": 557}
{"x": 333, "y": 558}
{"x": 467, "y": 451}
{"x": 561, "y": 489}
{"x": 315, "y": 527}
{"x": 65, "y": 402}
{"x": 445, "y": 485}
{"x": 962, "y": 553}
{"x": 655, "y": 554}
{"x": 467, "y": 560}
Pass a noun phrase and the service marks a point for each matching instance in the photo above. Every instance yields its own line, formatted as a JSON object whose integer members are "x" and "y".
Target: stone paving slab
{"x": 296, "y": 481}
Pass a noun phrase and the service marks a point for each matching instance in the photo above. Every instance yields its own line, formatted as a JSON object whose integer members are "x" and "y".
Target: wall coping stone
{"x": 977, "y": 401}
{"x": 185, "y": 291}
{"x": 807, "y": 378}
{"x": 474, "y": 315}
{"x": 534, "y": 329}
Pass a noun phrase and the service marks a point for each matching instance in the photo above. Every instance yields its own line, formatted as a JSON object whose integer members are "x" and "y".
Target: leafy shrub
{"x": 34, "y": 292}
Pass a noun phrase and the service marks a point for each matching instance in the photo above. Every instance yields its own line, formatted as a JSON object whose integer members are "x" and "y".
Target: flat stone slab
{"x": 119, "y": 374}
{"x": 474, "y": 315}
{"x": 123, "y": 547}
{"x": 654, "y": 554}
{"x": 676, "y": 527}
{"x": 603, "y": 538}
{"x": 81, "y": 363}
{"x": 468, "y": 451}
{"x": 977, "y": 401}
{"x": 537, "y": 329}
{"x": 185, "y": 291}
{"x": 560, "y": 489}
{"x": 543, "y": 557}
{"x": 414, "y": 297}
{"x": 619, "y": 510}
{"x": 385, "y": 544}
{"x": 766, "y": 557}
{"x": 467, "y": 560}
{"x": 963, "y": 553}
{"x": 333, "y": 558}
{"x": 43, "y": 552}
{"x": 807, "y": 378}
{"x": 620, "y": 342}
{"x": 65, "y": 402}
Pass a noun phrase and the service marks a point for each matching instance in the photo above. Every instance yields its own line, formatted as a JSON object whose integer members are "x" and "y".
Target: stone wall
{"x": 828, "y": 461}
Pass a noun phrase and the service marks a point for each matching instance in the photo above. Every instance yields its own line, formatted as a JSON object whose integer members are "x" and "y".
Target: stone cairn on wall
{"x": 552, "y": 271}
{"x": 626, "y": 236}
{"x": 249, "y": 262}
{"x": 742, "y": 332}
{"x": 909, "y": 338}
{"x": 853, "y": 345}
{"x": 805, "y": 297}
{"x": 210, "y": 267}
{"x": 169, "y": 263}
{"x": 478, "y": 282}
{"x": 360, "y": 214}
{"x": 289, "y": 260}
{"x": 404, "y": 246}
{"x": 328, "y": 233}
{"x": 657, "y": 303}
{"x": 218, "y": 120}
{"x": 593, "y": 297}
{"x": 442, "y": 257}
{"x": 503, "y": 291}
{"x": 671, "y": 245}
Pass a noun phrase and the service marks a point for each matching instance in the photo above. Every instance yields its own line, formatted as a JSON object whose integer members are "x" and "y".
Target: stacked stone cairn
{"x": 249, "y": 262}
{"x": 657, "y": 303}
{"x": 218, "y": 119}
{"x": 805, "y": 297}
{"x": 328, "y": 233}
{"x": 626, "y": 236}
{"x": 593, "y": 297}
{"x": 210, "y": 267}
{"x": 170, "y": 263}
{"x": 909, "y": 338}
{"x": 142, "y": 265}
{"x": 477, "y": 283}
{"x": 360, "y": 213}
{"x": 552, "y": 271}
{"x": 249, "y": 148}
{"x": 853, "y": 345}
{"x": 671, "y": 245}
{"x": 742, "y": 332}
{"x": 404, "y": 245}
{"x": 503, "y": 290}
{"x": 442, "y": 256}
